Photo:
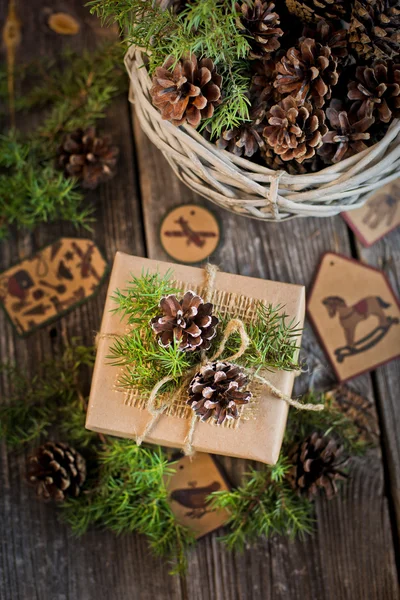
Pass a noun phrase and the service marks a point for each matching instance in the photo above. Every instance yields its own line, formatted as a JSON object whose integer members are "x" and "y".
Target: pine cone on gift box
{"x": 377, "y": 87}
{"x": 375, "y": 28}
{"x": 217, "y": 390}
{"x": 293, "y": 131}
{"x": 190, "y": 322}
{"x": 189, "y": 92}
{"x": 87, "y": 156}
{"x": 327, "y": 34}
{"x": 57, "y": 471}
{"x": 307, "y": 72}
{"x": 348, "y": 133}
{"x": 260, "y": 23}
{"x": 313, "y": 10}
{"x": 316, "y": 463}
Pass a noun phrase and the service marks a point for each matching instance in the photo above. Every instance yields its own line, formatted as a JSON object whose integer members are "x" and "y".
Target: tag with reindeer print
{"x": 188, "y": 493}
{"x": 356, "y": 315}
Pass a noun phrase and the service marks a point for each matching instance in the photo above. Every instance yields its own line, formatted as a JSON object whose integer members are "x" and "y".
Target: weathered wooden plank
{"x": 336, "y": 554}
{"x": 39, "y": 558}
{"x": 385, "y": 255}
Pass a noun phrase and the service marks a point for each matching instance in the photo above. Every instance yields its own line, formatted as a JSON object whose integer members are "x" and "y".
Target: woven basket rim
{"x": 248, "y": 188}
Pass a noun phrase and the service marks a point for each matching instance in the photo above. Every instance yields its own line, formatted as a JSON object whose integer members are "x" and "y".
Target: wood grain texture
{"x": 351, "y": 554}
{"x": 340, "y": 555}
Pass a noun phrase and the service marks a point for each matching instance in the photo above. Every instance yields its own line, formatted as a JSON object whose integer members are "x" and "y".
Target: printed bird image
{"x": 195, "y": 498}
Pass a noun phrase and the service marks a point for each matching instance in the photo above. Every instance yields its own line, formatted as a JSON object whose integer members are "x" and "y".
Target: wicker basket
{"x": 250, "y": 189}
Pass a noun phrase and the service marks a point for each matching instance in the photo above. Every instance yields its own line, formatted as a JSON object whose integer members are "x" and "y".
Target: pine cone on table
{"x": 190, "y": 322}
{"x": 189, "y": 92}
{"x": 260, "y": 23}
{"x": 316, "y": 463}
{"x": 327, "y": 34}
{"x": 348, "y": 133}
{"x": 313, "y": 10}
{"x": 88, "y": 157}
{"x": 307, "y": 72}
{"x": 293, "y": 131}
{"x": 377, "y": 87}
{"x": 375, "y": 28}
{"x": 57, "y": 471}
{"x": 217, "y": 390}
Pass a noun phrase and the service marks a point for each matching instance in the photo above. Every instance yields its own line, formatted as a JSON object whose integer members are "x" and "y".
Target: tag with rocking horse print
{"x": 188, "y": 490}
{"x": 356, "y": 315}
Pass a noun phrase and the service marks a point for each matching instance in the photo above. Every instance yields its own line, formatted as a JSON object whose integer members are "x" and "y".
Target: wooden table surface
{"x": 352, "y": 553}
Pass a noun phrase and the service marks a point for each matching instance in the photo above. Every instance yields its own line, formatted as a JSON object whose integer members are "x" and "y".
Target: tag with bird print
{"x": 188, "y": 493}
{"x": 356, "y": 315}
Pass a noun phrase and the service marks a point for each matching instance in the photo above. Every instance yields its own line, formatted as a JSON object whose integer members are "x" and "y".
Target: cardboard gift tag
{"x": 379, "y": 215}
{"x": 195, "y": 479}
{"x": 55, "y": 280}
{"x": 356, "y": 315}
{"x": 190, "y": 233}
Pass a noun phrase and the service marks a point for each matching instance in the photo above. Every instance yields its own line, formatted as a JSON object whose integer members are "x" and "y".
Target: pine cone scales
{"x": 378, "y": 88}
{"x": 294, "y": 132}
{"x": 57, "y": 471}
{"x": 189, "y": 322}
{"x": 188, "y": 93}
{"x": 260, "y": 25}
{"x": 216, "y": 391}
{"x": 90, "y": 158}
{"x": 313, "y": 10}
{"x": 316, "y": 463}
{"x": 307, "y": 72}
{"x": 375, "y": 28}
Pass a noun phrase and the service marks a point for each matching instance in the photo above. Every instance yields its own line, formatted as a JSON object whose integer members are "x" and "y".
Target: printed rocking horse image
{"x": 351, "y": 316}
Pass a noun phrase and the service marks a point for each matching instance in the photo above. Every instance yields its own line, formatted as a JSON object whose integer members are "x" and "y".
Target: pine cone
{"x": 57, "y": 471}
{"x": 189, "y": 92}
{"x": 316, "y": 463}
{"x": 378, "y": 87}
{"x": 262, "y": 81}
{"x": 190, "y": 322}
{"x": 274, "y": 161}
{"x": 216, "y": 391}
{"x": 294, "y": 132}
{"x": 259, "y": 23}
{"x": 327, "y": 34}
{"x": 88, "y": 157}
{"x": 175, "y": 5}
{"x": 247, "y": 139}
{"x": 375, "y": 28}
{"x": 313, "y": 10}
{"x": 307, "y": 72}
{"x": 347, "y": 135}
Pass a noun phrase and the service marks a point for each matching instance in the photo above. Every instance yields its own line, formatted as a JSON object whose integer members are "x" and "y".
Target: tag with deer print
{"x": 188, "y": 493}
{"x": 356, "y": 315}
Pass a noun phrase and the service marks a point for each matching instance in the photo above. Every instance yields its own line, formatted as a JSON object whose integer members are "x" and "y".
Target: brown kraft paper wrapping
{"x": 258, "y": 437}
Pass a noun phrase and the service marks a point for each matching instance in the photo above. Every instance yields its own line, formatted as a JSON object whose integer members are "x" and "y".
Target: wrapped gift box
{"x": 112, "y": 411}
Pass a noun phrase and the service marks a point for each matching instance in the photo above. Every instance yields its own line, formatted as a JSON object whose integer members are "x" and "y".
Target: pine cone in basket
{"x": 377, "y": 86}
{"x": 313, "y": 10}
{"x": 217, "y": 391}
{"x": 307, "y": 72}
{"x": 247, "y": 139}
{"x": 293, "y": 131}
{"x": 348, "y": 132}
{"x": 88, "y": 157}
{"x": 260, "y": 23}
{"x": 57, "y": 471}
{"x": 375, "y": 28}
{"x": 174, "y": 5}
{"x": 262, "y": 80}
{"x": 190, "y": 322}
{"x": 187, "y": 93}
{"x": 327, "y": 34}
{"x": 316, "y": 462}
{"x": 274, "y": 161}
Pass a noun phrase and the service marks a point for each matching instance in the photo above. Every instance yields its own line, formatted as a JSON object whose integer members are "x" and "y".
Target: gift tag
{"x": 356, "y": 315}
{"x": 51, "y": 283}
{"x": 195, "y": 478}
{"x": 379, "y": 215}
{"x": 190, "y": 233}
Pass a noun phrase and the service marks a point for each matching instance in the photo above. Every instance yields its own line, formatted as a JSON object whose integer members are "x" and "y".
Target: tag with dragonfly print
{"x": 195, "y": 479}
{"x": 356, "y": 315}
